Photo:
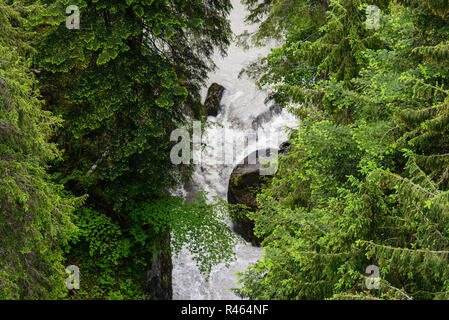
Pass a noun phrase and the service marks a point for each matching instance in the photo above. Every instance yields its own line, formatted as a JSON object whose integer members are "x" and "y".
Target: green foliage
{"x": 323, "y": 40}
{"x": 201, "y": 226}
{"x": 113, "y": 258}
{"x": 99, "y": 248}
{"x": 365, "y": 179}
{"x": 34, "y": 213}
{"x": 385, "y": 220}
{"x": 122, "y": 83}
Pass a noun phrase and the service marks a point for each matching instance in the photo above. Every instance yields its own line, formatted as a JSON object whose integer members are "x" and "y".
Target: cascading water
{"x": 242, "y": 104}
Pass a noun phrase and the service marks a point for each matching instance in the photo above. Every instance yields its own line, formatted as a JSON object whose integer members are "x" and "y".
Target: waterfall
{"x": 242, "y": 105}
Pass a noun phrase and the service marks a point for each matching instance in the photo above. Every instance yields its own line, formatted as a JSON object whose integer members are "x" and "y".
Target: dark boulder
{"x": 244, "y": 184}
{"x": 283, "y": 149}
{"x": 266, "y": 116}
{"x": 213, "y": 99}
{"x": 158, "y": 284}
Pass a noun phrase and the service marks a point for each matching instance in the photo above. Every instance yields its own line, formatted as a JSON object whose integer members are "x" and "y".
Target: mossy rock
{"x": 213, "y": 99}
{"x": 244, "y": 184}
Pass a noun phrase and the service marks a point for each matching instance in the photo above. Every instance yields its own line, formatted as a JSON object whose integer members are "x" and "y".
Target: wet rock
{"x": 213, "y": 99}
{"x": 194, "y": 109}
{"x": 266, "y": 116}
{"x": 158, "y": 284}
{"x": 283, "y": 149}
{"x": 244, "y": 184}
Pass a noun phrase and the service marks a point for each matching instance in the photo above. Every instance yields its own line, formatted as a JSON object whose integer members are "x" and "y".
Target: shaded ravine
{"x": 243, "y": 110}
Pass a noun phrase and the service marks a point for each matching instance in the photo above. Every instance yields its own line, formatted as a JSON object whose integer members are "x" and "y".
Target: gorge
{"x": 243, "y": 111}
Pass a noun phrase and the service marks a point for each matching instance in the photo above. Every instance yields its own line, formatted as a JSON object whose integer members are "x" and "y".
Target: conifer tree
{"x": 428, "y": 124}
{"x": 324, "y": 40}
{"x": 34, "y": 216}
{"x": 371, "y": 193}
{"x": 122, "y": 82}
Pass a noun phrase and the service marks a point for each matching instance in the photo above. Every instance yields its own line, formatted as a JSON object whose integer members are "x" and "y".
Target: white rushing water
{"x": 242, "y": 103}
